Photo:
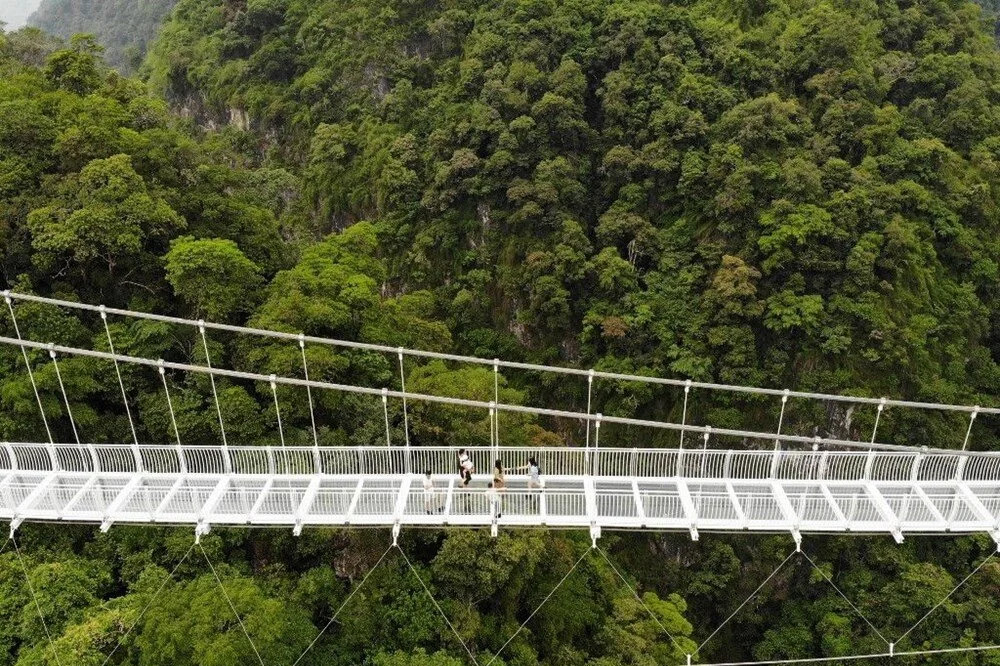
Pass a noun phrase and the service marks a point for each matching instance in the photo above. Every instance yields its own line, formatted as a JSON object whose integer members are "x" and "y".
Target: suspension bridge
{"x": 795, "y": 484}
{"x": 767, "y": 481}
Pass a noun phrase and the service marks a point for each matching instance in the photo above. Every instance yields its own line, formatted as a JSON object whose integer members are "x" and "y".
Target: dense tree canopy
{"x": 783, "y": 193}
{"x": 124, "y": 27}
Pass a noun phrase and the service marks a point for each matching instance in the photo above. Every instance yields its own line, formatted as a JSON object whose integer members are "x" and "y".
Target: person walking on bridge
{"x": 465, "y": 467}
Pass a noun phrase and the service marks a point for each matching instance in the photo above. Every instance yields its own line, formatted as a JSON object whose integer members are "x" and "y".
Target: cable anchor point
{"x": 396, "y": 528}
{"x": 595, "y": 534}
{"x": 200, "y": 529}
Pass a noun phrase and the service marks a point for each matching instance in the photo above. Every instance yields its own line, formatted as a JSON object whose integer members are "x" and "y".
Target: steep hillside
{"x": 787, "y": 192}
{"x": 123, "y": 27}
{"x": 784, "y": 193}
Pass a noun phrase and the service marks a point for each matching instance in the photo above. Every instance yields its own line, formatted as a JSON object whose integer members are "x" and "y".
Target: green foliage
{"x": 418, "y": 658}
{"x": 796, "y": 194}
{"x": 778, "y": 193}
{"x": 124, "y": 27}
{"x": 212, "y": 276}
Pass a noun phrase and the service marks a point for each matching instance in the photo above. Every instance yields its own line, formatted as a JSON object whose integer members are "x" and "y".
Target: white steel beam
{"x": 448, "y": 496}
{"x": 169, "y": 497}
{"x": 32, "y": 497}
{"x": 259, "y": 502}
{"x": 84, "y": 489}
{"x": 980, "y": 510}
{"x": 890, "y": 518}
{"x": 845, "y": 524}
{"x": 590, "y": 500}
{"x": 639, "y": 510}
{"x": 690, "y": 513}
{"x": 930, "y": 506}
{"x": 116, "y": 504}
{"x": 213, "y": 501}
{"x": 741, "y": 517}
{"x": 401, "y": 499}
{"x": 787, "y": 510}
{"x": 307, "y": 501}
{"x": 354, "y": 501}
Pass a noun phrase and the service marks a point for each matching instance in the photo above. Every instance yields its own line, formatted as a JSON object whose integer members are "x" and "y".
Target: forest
{"x": 124, "y": 27}
{"x": 784, "y": 193}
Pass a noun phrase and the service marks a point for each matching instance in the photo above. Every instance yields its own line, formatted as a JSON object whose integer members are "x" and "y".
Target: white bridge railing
{"x": 554, "y": 461}
{"x": 595, "y": 488}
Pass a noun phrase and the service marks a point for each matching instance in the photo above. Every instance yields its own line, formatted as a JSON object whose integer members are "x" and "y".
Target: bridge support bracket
{"x": 694, "y": 532}
{"x": 595, "y": 534}
{"x": 494, "y": 529}
{"x": 14, "y": 524}
{"x": 396, "y": 528}
{"x": 297, "y": 528}
{"x": 892, "y": 649}
{"x": 798, "y": 540}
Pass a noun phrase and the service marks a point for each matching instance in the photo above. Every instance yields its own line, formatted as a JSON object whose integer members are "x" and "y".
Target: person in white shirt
{"x": 430, "y": 506}
{"x": 493, "y": 497}
{"x": 465, "y": 467}
{"x": 534, "y": 474}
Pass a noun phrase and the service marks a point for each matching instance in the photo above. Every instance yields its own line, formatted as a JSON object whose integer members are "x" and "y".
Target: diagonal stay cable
{"x": 635, "y": 593}
{"x": 947, "y": 596}
{"x": 436, "y": 605}
{"x": 226, "y": 595}
{"x": 858, "y": 657}
{"x": 342, "y": 606}
{"x": 148, "y": 604}
{"x": 34, "y": 598}
{"x": 745, "y": 602}
{"x": 844, "y": 596}
{"x": 547, "y": 597}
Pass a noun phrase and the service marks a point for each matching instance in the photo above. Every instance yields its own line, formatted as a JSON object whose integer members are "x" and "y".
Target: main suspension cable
{"x": 27, "y": 365}
{"x": 245, "y": 330}
{"x": 524, "y": 409}
{"x": 118, "y": 372}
